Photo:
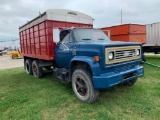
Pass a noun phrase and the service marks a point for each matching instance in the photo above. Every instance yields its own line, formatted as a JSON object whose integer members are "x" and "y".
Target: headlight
{"x": 111, "y": 55}
{"x": 137, "y": 52}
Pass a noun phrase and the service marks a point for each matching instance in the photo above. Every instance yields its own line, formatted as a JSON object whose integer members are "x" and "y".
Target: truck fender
{"x": 94, "y": 66}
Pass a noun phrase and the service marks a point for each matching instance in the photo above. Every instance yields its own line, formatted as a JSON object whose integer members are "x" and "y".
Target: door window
{"x": 65, "y": 36}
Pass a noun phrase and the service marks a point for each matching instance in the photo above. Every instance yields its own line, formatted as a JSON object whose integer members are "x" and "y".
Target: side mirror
{"x": 56, "y": 35}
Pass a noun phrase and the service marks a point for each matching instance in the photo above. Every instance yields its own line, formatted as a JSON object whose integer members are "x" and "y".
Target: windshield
{"x": 89, "y": 35}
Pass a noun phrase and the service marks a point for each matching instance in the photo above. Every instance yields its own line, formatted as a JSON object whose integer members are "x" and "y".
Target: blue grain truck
{"x": 83, "y": 57}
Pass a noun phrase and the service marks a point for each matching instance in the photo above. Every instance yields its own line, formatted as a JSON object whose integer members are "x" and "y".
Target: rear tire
{"x": 82, "y": 86}
{"x": 37, "y": 71}
{"x": 28, "y": 66}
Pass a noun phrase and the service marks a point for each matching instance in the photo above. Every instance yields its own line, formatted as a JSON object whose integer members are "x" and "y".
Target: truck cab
{"x": 88, "y": 59}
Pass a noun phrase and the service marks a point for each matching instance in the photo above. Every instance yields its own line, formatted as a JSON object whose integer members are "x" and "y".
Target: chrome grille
{"x": 125, "y": 54}
{"x": 122, "y": 54}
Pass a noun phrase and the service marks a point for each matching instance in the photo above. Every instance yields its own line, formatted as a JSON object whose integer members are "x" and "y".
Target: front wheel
{"x": 130, "y": 82}
{"x": 144, "y": 58}
{"x": 82, "y": 86}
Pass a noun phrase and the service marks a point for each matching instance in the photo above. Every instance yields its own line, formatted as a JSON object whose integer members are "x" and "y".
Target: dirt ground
{"x": 7, "y": 62}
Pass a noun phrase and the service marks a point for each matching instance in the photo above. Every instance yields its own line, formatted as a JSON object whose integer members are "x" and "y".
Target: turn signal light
{"x": 96, "y": 58}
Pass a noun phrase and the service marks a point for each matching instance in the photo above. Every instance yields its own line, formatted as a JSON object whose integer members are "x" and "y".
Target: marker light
{"x": 96, "y": 58}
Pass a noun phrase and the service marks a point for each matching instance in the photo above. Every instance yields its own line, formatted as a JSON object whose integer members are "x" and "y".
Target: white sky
{"x": 14, "y": 13}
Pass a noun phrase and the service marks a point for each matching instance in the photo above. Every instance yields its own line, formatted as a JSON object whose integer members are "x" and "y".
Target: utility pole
{"x": 121, "y": 17}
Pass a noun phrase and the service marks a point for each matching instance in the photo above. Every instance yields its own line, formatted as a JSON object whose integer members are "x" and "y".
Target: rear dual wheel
{"x": 28, "y": 66}
{"x": 37, "y": 71}
{"x": 33, "y": 68}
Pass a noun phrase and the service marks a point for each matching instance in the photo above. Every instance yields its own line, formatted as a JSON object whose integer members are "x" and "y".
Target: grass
{"x": 24, "y": 97}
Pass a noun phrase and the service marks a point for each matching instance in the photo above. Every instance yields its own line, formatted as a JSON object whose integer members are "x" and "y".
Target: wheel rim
{"x": 35, "y": 70}
{"x": 81, "y": 87}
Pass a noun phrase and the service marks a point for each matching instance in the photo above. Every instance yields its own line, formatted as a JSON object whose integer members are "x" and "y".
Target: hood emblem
{"x": 126, "y": 53}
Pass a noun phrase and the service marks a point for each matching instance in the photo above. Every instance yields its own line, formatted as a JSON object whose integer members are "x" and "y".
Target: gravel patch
{"x": 6, "y": 62}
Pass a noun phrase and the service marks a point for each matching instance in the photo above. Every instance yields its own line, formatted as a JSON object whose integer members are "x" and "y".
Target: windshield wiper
{"x": 86, "y": 39}
{"x": 101, "y": 39}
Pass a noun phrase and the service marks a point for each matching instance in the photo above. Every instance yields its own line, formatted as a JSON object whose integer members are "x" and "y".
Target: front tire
{"x": 144, "y": 58}
{"x": 82, "y": 86}
{"x": 130, "y": 82}
{"x": 37, "y": 71}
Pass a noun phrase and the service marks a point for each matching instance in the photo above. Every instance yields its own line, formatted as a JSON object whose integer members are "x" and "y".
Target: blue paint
{"x": 104, "y": 76}
{"x": 113, "y": 78}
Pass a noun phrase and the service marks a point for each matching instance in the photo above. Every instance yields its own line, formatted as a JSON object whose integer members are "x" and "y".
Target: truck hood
{"x": 97, "y": 47}
{"x": 107, "y": 43}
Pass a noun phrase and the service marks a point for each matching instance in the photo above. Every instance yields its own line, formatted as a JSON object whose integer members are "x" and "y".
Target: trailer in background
{"x": 152, "y": 38}
{"x": 127, "y": 33}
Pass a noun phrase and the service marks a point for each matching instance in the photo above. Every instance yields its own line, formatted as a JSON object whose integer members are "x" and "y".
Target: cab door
{"x": 63, "y": 51}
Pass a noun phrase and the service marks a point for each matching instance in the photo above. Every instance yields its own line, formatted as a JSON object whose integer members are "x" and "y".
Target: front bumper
{"x": 111, "y": 79}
